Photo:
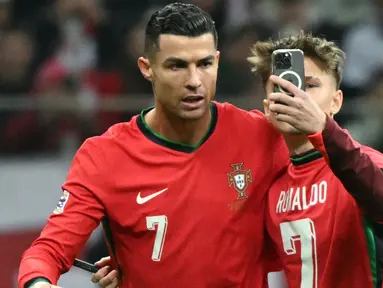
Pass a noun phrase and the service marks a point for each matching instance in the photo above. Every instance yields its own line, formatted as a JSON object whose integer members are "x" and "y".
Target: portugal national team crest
{"x": 62, "y": 202}
{"x": 240, "y": 179}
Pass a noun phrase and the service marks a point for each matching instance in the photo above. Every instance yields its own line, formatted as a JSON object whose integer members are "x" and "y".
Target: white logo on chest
{"x": 142, "y": 200}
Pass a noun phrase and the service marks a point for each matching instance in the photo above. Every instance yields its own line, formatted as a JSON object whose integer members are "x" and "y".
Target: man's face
{"x": 320, "y": 86}
{"x": 184, "y": 74}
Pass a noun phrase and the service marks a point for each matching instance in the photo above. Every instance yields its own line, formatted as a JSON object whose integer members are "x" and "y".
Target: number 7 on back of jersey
{"x": 302, "y": 230}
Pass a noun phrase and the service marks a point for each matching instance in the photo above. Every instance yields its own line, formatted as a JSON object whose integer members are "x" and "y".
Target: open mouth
{"x": 192, "y": 99}
{"x": 193, "y": 102}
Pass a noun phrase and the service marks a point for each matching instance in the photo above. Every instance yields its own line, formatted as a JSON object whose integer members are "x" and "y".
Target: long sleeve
{"x": 68, "y": 228}
{"x": 356, "y": 166}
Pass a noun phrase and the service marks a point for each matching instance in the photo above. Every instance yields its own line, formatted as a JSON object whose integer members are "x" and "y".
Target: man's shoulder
{"x": 121, "y": 129}
{"x": 114, "y": 133}
{"x": 253, "y": 128}
{"x": 118, "y": 135}
{"x": 253, "y": 124}
{"x": 376, "y": 156}
{"x": 232, "y": 113}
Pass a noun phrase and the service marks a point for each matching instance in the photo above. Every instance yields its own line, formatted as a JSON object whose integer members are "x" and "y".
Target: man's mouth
{"x": 192, "y": 102}
{"x": 192, "y": 99}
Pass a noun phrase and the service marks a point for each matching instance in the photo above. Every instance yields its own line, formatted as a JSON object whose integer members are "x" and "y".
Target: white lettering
{"x": 290, "y": 198}
{"x": 314, "y": 195}
{"x": 304, "y": 201}
{"x": 322, "y": 191}
{"x": 297, "y": 202}
{"x": 297, "y": 199}
{"x": 286, "y": 202}
{"x": 281, "y": 199}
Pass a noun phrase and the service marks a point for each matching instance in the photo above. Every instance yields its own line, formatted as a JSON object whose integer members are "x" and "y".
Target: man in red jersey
{"x": 323, "y": 212}
{"x": 180, "y": 188}
{"x": 176, "y": 212}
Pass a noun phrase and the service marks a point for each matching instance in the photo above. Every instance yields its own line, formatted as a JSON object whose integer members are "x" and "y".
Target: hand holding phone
{"x": 289, "y": 65}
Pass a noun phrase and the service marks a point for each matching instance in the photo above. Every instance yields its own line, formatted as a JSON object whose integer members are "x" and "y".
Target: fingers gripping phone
{"x": 288, "y": 64}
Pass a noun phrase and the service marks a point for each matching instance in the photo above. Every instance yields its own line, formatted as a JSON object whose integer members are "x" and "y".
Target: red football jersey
{"x": 321, "y": 235}
{"x": 175, "y": 215}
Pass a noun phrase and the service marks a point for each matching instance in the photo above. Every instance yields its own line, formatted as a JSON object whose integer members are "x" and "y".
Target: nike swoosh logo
{"x": 142, "y": 200}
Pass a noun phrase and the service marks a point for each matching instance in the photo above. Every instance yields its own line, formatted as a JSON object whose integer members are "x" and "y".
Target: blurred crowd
{"x": 68, "y": 67}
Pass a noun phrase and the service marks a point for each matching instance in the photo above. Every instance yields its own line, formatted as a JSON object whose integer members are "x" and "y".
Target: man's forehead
{"x": 315, "y": 74}
{"x": 314, "y": 68}
{"x": 187, "y": 48}
{"x": 206, "y": 39}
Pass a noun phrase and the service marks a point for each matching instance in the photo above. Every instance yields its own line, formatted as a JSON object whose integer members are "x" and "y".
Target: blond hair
{"x": 328, "y": 54}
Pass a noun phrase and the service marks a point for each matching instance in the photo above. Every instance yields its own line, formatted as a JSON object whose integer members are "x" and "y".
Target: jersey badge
{"x": 239, "y": 179}
{"x": 62, "y": 202}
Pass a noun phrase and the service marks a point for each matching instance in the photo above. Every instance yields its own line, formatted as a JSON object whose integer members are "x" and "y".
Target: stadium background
{"x": 67, "y": 72}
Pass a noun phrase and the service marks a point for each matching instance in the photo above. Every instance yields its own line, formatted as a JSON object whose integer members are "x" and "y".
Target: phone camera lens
{"x": 287, "y": 61}
{"x": 279, "y": 64}
{"x": 279, "y": 57}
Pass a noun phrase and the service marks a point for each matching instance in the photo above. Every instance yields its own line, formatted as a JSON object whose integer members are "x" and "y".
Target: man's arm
{"x": 78, "y": 213}
{"x": 359, "y": 173}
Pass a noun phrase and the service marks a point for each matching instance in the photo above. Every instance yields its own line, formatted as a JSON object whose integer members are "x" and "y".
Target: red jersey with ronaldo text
{"x": 174, "y": 215}
{"x": 321, "y": 235}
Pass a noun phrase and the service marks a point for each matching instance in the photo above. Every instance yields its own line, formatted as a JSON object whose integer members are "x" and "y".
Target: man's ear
{"x": 266, "y": 110}
{"x": 336, "y": 103}
{"x": 145, "y": 68}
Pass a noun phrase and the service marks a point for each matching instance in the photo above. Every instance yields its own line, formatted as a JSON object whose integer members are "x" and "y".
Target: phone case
{"x": 85, "y": 266}
{"x": 289, "y": 65}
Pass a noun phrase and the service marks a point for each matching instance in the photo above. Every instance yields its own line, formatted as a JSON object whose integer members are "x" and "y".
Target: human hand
{"x": 105, "y": 277}
{"x": 299, "y": 111}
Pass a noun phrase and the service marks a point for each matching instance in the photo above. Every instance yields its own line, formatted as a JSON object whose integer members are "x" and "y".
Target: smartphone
{"x": 85, "y": 266}
{"x": 289, "y": 65}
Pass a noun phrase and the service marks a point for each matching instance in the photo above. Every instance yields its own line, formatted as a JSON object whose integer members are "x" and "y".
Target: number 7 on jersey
{"x": 161, "y": 223}
{"x": 302, "y": 230}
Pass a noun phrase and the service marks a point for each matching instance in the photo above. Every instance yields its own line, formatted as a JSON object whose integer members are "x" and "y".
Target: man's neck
{"x": 189, "y": 132}
{"x": 297, "y": 144}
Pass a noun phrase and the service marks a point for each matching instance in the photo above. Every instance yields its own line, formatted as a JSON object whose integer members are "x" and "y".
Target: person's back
{"x": 322, "y": 236}
{"x": 322, "y": 212}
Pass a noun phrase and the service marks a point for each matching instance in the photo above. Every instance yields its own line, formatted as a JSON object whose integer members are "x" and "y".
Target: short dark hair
{"x": 178, "y": 19}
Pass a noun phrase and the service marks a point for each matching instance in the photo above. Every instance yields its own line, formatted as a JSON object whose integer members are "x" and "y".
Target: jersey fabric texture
{"x": 321, "y": 235}
{"x": 174, "y": 215}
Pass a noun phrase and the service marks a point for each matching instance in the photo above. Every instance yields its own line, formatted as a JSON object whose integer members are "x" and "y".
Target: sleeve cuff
{"x": 317, "y": 138}
{"x": 31, "y": 269}
{"x": 32, "y": 282}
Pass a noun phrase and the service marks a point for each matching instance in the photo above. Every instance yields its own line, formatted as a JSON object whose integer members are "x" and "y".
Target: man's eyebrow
{"x": 207, "y": 58}
{"x": 176, "y": 60}
{"x": 307, "y": 78}
{"x": 180, "y": 60}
